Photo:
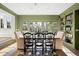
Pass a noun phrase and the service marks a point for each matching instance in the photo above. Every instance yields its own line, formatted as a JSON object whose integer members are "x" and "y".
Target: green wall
{"x": 20, "y": 19}
{"x": 37, "y": 18}
{"x": 70, "y": 10}
{"x": 11, "y": 12}
{"x": 66, "y": 12}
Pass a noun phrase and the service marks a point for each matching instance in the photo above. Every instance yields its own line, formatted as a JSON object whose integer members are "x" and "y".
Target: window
{"x": 42, "y": 26}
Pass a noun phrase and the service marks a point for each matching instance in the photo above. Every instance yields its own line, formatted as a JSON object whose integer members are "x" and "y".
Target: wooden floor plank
{"x": 60, "y": 53}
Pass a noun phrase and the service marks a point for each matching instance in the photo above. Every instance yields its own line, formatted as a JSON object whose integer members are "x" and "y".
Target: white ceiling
{"x": 38, "y": 8}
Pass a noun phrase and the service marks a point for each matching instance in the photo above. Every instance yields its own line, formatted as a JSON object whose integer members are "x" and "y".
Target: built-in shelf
{"x": 68, "y": 28}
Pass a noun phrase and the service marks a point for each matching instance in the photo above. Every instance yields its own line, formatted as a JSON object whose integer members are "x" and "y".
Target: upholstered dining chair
{"x": 20, "y": 42}
{"x": 59, "y": 37}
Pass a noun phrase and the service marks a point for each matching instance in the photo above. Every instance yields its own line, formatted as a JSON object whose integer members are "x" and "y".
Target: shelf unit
{"x": 71, "y": 30}
{"x": 68, "y": 28}
{"x": 62, "y": 24}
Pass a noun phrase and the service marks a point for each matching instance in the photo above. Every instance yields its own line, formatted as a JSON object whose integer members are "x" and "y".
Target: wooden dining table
{"x": 56, "y": 41}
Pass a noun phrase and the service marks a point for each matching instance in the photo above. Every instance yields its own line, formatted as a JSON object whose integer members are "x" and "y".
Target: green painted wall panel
{"x": 37, "y": 18}
{"x": 75, "y": 23}
{"x": 70, "y": 10}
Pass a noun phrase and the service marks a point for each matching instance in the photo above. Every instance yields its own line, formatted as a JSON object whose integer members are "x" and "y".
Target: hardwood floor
{"x": 76, "y": 52}
{"x": 12, "y": 51}
{"x": 7, "y": 51}
{"x": 4, "y": 42}
{"x": 60, "y": 53}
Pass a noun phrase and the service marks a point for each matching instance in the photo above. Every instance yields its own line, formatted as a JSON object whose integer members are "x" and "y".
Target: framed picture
{"x": 68, "y": 29}
{"x": 8, "y": 21}
{"x": 1, "y": 23}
